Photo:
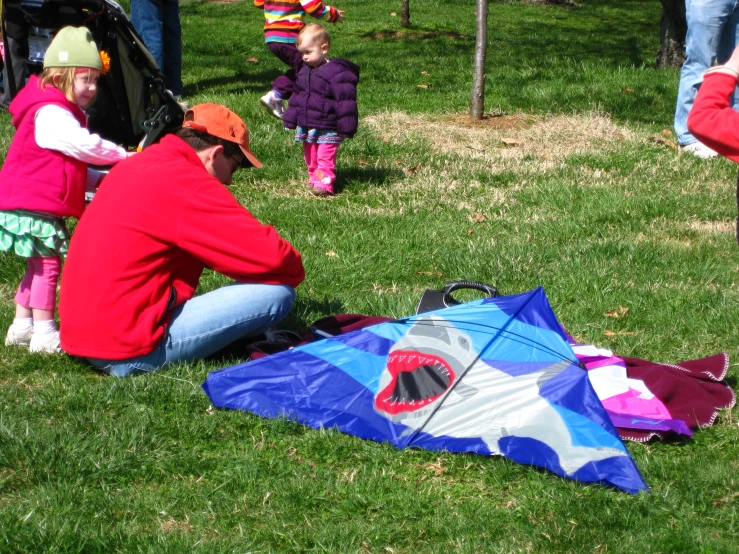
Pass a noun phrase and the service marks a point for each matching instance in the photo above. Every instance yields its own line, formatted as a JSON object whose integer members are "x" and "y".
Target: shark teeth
{"x": 418, "y": 379}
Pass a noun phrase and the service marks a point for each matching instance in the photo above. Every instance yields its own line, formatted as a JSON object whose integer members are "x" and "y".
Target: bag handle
{"x": 449, "y": 288}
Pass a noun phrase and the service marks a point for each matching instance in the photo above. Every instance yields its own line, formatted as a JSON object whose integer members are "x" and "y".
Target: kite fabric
{"x": 493, "y": 376}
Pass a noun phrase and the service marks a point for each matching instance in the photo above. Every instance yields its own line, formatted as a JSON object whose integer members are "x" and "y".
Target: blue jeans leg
{"x": 146, "y": 16}
{"x": 158, "y": 24}
{"x": 205, "y": 324}
{"x": 713, "y": 32}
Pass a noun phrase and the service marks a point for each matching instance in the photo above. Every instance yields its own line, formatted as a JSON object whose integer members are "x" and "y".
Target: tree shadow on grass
{"x": 378, "y": 176}
{"x": 415, "y": 33}
{"x": 732, "y": 381}
{"x": 306, "y": 310}
{"x": 239, "y": 82}
{"x": 558, "y": 39}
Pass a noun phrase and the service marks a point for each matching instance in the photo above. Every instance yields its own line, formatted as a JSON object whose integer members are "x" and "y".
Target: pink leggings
{"x": 38, "y": 287}
{"x": 321, "y": 162}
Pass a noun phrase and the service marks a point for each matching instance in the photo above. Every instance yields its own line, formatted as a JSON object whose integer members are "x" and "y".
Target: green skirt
{"x": 33, "y": 234}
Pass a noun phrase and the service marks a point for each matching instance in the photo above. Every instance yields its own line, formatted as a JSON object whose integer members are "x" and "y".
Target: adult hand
{"x": 340, "y": 19}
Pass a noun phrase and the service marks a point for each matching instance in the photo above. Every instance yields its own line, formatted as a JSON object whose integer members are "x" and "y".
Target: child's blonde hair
{"x": 65, "y": 83}
{"x": 314, "y": 31}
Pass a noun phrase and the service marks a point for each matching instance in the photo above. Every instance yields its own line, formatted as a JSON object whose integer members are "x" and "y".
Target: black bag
{"x": 437, "y": 299}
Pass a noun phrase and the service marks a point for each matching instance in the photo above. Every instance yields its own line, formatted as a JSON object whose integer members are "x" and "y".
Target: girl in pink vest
{"x": 45, "y": 176}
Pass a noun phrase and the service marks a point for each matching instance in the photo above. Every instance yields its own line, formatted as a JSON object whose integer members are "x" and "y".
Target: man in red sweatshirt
{"x": 127, "y": 300}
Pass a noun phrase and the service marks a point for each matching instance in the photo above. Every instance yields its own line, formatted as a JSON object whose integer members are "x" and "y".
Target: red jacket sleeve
{"x": 712, "y": 120}
{"x": 224, "y": 236}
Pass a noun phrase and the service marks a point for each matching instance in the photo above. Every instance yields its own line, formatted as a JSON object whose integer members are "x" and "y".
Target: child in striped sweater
{"x": 284, "y": 20}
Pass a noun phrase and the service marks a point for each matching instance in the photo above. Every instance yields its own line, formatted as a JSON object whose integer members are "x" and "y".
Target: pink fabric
{"x": 38, "y": 287}
{"x": 321, "y": 162}
{"x": 631, "y": 403}
{"x": 592, "y": 362}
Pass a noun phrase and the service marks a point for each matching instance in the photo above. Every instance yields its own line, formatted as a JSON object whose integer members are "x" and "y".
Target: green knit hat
{"x": 73, "y": 47}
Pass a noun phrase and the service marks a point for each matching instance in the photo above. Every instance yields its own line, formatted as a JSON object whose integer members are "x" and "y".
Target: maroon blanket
{"x": 693, "y": 390}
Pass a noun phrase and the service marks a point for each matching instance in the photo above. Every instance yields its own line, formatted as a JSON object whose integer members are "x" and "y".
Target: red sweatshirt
{"x": 712, "y": 120}
{"x": 157, "y": 221}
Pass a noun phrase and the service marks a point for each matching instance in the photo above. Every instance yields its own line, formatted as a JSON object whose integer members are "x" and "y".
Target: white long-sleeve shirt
{"x": 57, "y": 129}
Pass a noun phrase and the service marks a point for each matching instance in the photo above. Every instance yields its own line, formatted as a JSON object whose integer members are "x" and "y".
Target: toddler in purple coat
{"x": 323, "y": 107}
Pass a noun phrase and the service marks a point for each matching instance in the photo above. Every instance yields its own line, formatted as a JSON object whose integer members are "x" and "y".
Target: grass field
{"x": 592, "y": 202}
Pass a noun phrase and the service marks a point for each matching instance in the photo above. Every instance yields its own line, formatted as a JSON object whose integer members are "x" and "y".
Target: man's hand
{"x": 340, "y": 18}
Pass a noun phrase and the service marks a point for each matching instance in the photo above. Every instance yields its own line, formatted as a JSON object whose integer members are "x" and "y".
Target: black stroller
{"x": 132, "y": 106}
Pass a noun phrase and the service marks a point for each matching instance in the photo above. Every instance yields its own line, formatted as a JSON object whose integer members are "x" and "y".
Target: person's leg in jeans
{"x": 146, "y": 17}
{"x": 208, "y": 323}
{"x": 729, "y": 41}
{"x": 172, "y": 46}
{"x": 706, "y": 21}
{"x": 158, "y": 24}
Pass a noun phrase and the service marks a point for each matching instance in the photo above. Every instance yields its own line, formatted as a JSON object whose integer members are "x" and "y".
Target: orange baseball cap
{"x": 219, "y": 121}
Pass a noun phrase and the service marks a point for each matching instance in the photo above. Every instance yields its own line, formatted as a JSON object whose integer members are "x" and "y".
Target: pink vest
{"x": 38, "y": 179}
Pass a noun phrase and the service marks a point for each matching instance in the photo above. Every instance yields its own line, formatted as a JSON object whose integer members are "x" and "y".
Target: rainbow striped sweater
{"x": 285, "y": 18}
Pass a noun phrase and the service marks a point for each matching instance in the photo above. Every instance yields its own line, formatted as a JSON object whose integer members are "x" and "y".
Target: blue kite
{"x": 494, "y": 376}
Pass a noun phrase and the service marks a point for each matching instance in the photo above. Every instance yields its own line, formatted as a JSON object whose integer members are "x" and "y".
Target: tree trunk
{"x": 672, "y": 30}
{"x": 477, "y": 101}
{"x": 405, "y": 14}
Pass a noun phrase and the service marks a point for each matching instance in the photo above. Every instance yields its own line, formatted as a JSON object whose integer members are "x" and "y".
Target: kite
{"x": 494, "y": 376}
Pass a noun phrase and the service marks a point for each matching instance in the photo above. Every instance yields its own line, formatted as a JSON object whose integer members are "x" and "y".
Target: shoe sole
{"x": 17, "y": 343}
{"x": 44, "y": 351}
{"x": 272, "y": 112}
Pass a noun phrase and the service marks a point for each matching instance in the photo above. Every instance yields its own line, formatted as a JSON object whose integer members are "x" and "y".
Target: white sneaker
{"x": 273, "y": 105}
{"x": 47, "y": 342}
{"x": 699, "y": 150}
{"x": 18, "y": 337}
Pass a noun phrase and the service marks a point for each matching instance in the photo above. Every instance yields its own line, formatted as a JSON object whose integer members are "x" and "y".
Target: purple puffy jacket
{"x": 325, "y": 97}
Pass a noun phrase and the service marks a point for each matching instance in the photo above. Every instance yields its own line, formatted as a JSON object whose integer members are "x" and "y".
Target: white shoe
{"x": 47, "y": 342}
{"x": 699, "y": 150}
{"x": 273, "y": 105}
{"x": 18, "y": 337}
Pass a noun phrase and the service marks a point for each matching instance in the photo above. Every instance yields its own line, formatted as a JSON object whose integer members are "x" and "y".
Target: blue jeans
{"x": 713, "y": 32}
{"x": 158, "y": 24}
{"x": 207, "y": 323}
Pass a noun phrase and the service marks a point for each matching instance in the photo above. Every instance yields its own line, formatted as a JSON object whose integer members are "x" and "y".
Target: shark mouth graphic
{"x": 418, "y": 379}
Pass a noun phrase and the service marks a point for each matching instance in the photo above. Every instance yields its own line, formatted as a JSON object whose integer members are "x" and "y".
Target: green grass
{"x": 89, "y": 463}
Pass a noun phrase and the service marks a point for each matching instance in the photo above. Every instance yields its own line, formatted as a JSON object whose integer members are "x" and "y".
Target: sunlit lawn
{"x": 590, "y": 201}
